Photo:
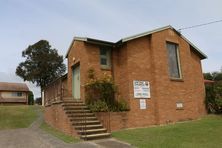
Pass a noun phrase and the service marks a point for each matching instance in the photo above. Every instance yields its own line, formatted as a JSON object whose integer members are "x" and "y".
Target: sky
{"x": 25, "y": 22}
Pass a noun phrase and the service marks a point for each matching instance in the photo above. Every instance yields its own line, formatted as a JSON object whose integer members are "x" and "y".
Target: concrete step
{"x": 80, "y": 114}
{"x": 82, "y": 118}
{"x": 73, "y": 104}
{"x": 95, "y": 136}
{"x": 93, "y": 131}
{"x": 87, "y": 127}
{"x": 78, "y": 111}
{"x": 86, "y": 122}
{"x": 75, "y": 107}
{"x": 72, "y": 101}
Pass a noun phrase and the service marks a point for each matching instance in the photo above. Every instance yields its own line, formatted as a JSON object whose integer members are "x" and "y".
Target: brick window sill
{"x": 179, "y": 108}
{"x": 107, "y": 69}
{"x": 177, "y": 79}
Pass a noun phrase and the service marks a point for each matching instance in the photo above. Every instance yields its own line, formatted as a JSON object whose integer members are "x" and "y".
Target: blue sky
{"x": 24, "y": 22}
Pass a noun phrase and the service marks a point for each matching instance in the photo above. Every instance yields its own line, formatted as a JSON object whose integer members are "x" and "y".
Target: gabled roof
{"x": 89, "y": 40}
{"x": 126, "y": 39}
{"x": 5, "y": 86}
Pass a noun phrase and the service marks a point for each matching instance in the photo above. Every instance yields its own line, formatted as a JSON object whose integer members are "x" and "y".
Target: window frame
{"x": 17, "y": 94}
{"x": 107, "y": 57}
{"x": 180, "y": 78}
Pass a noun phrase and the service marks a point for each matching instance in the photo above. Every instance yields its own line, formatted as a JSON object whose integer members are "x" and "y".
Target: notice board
{"x": 141, "y": 89}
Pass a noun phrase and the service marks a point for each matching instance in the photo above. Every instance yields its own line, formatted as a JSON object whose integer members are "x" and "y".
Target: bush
{"x": 100, "y": 94}
{"x": 214, "y": 97}
{"x": 98, "y": 106}
{"x": 38, "y": 101}
{"x": 30, "y": 98}
{"x": 102, "y": 106}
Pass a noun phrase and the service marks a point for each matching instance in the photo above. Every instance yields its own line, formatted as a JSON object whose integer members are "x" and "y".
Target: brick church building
{"x": 157, "y": 72}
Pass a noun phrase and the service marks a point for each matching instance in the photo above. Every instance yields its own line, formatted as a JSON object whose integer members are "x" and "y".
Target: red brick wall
{"x": 190, "y": 90}
{"x": 55, "y": 116}
{"x": 87, "y": 56}
{"x": 146, "y": 58}
{"x": 114, "y": 121}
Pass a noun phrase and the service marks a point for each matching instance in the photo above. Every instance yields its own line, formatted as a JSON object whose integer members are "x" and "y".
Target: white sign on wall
{"x": 141, "y": 89}
{"x": 179, "y": 105}
{"x": 142, "y": 103}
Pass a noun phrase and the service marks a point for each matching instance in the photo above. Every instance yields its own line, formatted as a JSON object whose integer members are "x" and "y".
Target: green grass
{"x": 12, "y": 117}
{"x": 58, "y": 134}
{"x": 204, "y": 133}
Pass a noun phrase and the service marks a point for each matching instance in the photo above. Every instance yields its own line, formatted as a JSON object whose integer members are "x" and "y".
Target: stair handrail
{"x": 61, "y": 90}
{"x": 83, "y": 122}
{"x": 108, "y": 125}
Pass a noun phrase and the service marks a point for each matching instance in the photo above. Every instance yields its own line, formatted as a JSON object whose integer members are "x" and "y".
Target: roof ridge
{"x": 123, "y": 40}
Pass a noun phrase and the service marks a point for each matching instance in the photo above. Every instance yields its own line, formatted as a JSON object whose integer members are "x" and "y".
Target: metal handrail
{"x": 109, "y": 128}
{"x": 83, "y": 121}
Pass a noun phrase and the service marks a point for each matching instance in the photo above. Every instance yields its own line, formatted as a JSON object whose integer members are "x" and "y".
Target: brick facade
{"x": 145, "y": 58}
{"x": 55, "y": 116}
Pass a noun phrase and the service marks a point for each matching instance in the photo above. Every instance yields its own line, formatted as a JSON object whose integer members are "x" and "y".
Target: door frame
{"x": 77, "y": 65}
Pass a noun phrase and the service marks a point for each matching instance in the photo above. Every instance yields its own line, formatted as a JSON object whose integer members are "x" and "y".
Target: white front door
{"x": 76, "y": 82}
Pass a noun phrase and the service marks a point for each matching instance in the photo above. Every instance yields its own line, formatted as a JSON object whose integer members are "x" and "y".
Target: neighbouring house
{"x": 208, "y": 82}
{"x": 157, "y": 72}
{"x": 13, "y": 93}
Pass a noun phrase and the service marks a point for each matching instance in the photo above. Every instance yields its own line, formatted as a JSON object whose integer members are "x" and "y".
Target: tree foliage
{"x": 42, "y": 65}
{"x": 214, "y": 92}
{"x": 31, "y": 98}
{"x": 100, "y": 94}
{"x": 216, "y": 76}
{"x": 208, "y": 76}
{"x": 38, "y": 101}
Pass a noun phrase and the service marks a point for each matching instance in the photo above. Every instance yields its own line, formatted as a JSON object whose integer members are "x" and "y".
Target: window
{"x": 105, "y": 57}
{"x": 173, "y": 60}
{"x": 16, "y": 94}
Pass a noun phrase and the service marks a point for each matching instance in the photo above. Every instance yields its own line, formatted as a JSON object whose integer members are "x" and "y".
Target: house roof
{"x": 5, "y": 86}
{"x": 208, "y": 81}
{"x": 126, "y": 39}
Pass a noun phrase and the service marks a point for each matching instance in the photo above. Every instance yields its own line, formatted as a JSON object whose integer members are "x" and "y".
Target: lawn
{"x": 58, "y": 134}
{"x": 12, "y": 117}
{"x": 203, "y": 133}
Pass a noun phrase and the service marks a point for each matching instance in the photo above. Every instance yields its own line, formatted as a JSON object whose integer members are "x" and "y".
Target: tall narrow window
{"x": 173, "y": 60}
{"x": 105, "y": 57}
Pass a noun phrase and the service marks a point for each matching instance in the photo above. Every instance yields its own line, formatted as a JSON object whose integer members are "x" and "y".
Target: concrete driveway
{"x": 34, "y": 137}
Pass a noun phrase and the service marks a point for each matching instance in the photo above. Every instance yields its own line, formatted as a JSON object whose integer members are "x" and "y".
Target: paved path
{"x": 34, "y": 137}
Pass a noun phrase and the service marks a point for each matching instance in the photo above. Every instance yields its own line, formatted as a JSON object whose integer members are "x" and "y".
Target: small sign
{"x": 141, "y": 89}
{"x": 179, "y": 105}
{"x": 142, "y": 103}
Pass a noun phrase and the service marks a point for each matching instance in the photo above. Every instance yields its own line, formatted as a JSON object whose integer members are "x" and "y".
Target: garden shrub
{"x": 100, "y": 94}
{"x": 214, "y": 97}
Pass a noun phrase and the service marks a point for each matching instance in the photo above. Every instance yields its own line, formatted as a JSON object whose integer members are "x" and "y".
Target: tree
{"x": 30, "y": 98}
{"x": 208, "y": 76}
{"x": 38, "y": 101}
{"x": 42, "y": 65}
{"x": 214, "y": 92}
{"x": 215, "y": 76}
